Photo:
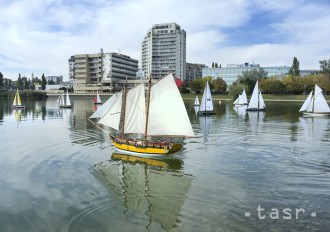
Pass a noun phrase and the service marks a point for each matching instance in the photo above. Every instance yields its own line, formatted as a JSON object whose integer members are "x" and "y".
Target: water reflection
{"x": 240, "y": 110}
{"x": 205, "y": 122}
{"x": 153, "y": 187}
{"x": 256, "y": 120}
{"x": 316, "y": 128}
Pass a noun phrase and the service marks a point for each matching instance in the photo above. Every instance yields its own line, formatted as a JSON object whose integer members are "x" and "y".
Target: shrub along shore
{"x": 25, "y": 94}
{"x": 267, "y": 97}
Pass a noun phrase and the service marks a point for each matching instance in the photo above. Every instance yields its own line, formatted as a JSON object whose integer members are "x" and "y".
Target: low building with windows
{"x": 193, "y": 71}
{"x": 101, "y": 71}
{"x": 231, "y": 72}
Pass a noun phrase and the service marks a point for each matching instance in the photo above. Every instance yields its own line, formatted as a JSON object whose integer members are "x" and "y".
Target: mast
{"x": 147, "y": 111}
{"x": 205, "y": 97}
{"x": 123, "y": 114}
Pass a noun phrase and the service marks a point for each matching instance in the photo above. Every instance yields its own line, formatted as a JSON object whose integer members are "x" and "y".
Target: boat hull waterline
{"x": 144, "y": 150}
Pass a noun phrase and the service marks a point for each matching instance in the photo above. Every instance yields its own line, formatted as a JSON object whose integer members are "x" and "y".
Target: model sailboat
{"x": 206, "y": 107}
{"x": 64, "y": 102}
{"x": 165, "y": 116}
{"x": 242, "y": 99}
{"x": 317, "y": 105}
{"x": 196, "y": 105}
{"x": 97, "y": 99}
{"x": 17, "y": 103}
{"x": 257, "y": 102}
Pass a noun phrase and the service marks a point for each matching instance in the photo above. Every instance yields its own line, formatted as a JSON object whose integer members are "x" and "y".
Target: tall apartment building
{"x": 164, "y": 51}
{"x": 106, "y": 71}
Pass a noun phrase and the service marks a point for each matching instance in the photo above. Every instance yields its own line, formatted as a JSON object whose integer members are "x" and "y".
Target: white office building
{"x": 164, "y": 51}
{"x": 231, "y": 72}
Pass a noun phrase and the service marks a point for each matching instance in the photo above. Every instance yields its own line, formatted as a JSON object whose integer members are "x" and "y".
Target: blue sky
{"x": 39, "y": 36}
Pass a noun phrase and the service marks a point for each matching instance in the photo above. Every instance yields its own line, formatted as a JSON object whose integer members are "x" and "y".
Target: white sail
{"x": 167, "y": 113}
{"x": 307, "y": 103}
{"x": 254, "y": 98}
{"x": 261, "y": 101}
{"x": 58, "y": 99}
{"x": 240, "y": 100}
{"x": 244, "y": 98}
{"x": 104, "y": 108}
{"x": 236, "y": 101}
{"x": 311, "y": 106}
{"x": 62, "y": 103}
{"x": 135, "y": 113}
{"x": 68, "y": 102}
{"x": 112, "y": 117}
{"x": 320, "y": 104}
{"x": 206, "y": 103}
{"x": 196, "y": 103}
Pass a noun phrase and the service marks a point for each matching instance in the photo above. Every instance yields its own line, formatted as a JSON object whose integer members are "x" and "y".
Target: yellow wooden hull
{"x": 126, "y": 148}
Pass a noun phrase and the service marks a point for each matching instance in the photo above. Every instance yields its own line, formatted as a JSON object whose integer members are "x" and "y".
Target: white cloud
{"x": 39, "y": 36}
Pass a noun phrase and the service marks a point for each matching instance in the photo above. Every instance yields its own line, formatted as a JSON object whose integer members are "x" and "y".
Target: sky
{"x": 39, "y": 36}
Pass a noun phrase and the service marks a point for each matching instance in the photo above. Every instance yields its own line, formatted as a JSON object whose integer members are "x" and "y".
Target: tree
{"x": 19, "y": 81}
{"x": 196, "y": 84}
{"x": 272, "y": 86}
{"x": 295, "y": 70}
{"x": 212, "y": 64}
{"x": 250, "y": 77}
{"x": 220, "y": 86}
{"x": 43, "y": 82}
{"x": 236, "y": 89}
{"x": 1, "y": 79}
{"x": 51, "y": 82}
{"x": 325, "y": 67}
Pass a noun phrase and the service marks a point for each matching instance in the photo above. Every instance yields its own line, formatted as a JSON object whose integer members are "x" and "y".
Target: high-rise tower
{"x": 164, "y": 51}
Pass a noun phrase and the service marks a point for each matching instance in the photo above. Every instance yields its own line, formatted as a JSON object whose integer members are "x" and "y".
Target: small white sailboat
{"x": 64, "y": 102}
{"x": 97, "y": 99}
{"x": 257, "y": 102}
{"x": 242, "y": 99}
{"x": 196, "y": 105}
{"x": 17, "y": 103}
{"x": 315, "y": 105}
{"x": 206, "y": 107}
{"x": 164, "y": 115}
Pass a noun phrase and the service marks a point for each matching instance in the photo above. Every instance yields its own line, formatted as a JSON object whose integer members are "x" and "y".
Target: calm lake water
{"x": 59, "y": 172}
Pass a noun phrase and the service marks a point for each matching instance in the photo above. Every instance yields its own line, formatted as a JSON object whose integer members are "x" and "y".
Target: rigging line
{"x": 98, "y": 127}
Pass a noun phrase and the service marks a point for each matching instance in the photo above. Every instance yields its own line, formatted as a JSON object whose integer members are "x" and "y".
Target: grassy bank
{"x": 267, "y": 97}
{"x": 25, "y": 94}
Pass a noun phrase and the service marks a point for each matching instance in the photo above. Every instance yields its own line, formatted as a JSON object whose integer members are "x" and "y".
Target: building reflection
{"x": 155, "y": 187}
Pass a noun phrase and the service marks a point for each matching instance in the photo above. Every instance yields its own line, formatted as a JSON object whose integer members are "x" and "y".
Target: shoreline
{"x": 278, "y": 98}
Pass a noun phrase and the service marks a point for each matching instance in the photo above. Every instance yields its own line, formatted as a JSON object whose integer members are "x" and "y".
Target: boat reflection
{"x": 154, "y": 187}
{"x": 316, "y": 128}
{"x": 241, "y": 110}
{"x": 256, "y": 120}
{"x": 205, "y": 122}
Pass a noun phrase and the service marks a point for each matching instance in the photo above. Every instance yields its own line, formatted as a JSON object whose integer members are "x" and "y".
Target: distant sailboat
{"x": 317, "y": 105}
{"x": 97, "y": 99}
{"x": 17, "y": 103}
{"x": 242, "y": 99}
{"x": 102, "y": 110}
{"x": 64, "y": 102}
{"x": 256, "y": 102}
{"x": 206, "y": 107}
{"x": 164, "y": 115}
{"x": 196, "y": 105}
